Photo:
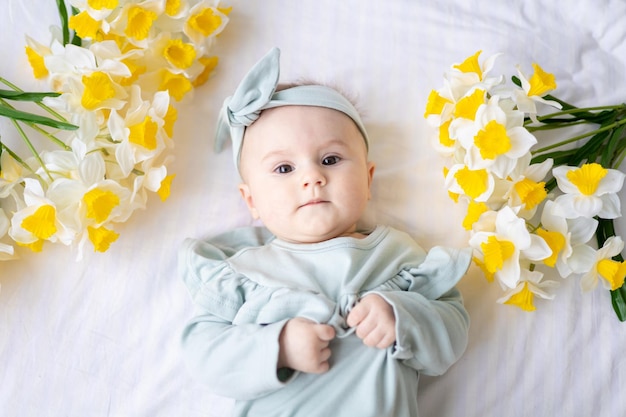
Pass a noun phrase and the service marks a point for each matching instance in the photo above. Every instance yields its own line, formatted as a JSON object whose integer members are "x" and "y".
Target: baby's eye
{"x": 283, "y": 169}
{"x": 330, "y": 160}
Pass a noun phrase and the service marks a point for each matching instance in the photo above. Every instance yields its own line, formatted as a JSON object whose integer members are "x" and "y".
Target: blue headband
{"x": 257, "y": 92}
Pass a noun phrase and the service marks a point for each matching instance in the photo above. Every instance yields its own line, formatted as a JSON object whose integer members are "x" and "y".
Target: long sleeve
{"x": 432, "y": 334}
{"x": 233, "y": 361}
{"x": 237, "y": 361}
{"x": 431, "y": 322}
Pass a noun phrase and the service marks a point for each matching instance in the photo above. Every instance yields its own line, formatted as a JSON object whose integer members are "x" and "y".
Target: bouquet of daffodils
{"x": 115, "y": 68}
{"x": 532, "y": 213}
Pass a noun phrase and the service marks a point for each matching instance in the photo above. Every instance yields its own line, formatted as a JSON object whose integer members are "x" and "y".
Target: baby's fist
{"x": 374, "y": 320}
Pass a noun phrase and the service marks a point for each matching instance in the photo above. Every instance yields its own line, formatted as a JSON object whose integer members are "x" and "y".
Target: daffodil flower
{"x": 500, "y": 251}
{"x": 496, "y": 139}
{"x": 590, "y": 190}
{"x": 141, "y": 133}
{"x": 37, "y": 221}
{"x": 478, "y": 184}
{"x": 528, "y": 190}
{"x": 568, "y": 240}
{"x": 533, "y": 90}
{"x": 463, "y": 91}
{"x": 36, "y": 52}
{"x": 531, "y": 283}
{"x": 610, "y": 272}
{"x": 204, "y": 22}
{"x": 470, "y": 74}
{"x": 136, "y": 21}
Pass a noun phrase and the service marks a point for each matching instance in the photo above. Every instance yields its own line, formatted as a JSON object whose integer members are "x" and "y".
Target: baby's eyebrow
{"x": 274, "y": 154}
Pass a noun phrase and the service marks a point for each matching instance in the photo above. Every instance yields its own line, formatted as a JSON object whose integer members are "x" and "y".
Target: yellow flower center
{"x": 468, "y": 105}
{"x": 435, "y": 103}
{"x": 98, "y": 88}
{"x": 135, "y": 71}
{"x": 444, "y": 134}
{"x": 85, "y": 26}
{"x": 100, "y": 203}
{"x": 101, "y": 238}
{"x": 496, "y": 252}
{"x": 42, "y": 223}
{"x": 166, "y": 185}
{"x": 556, "y": 242}
{"x": 205, "y": 21}
{"x": 209, "y": 63}
{"x": 176, "y": 84}
{"x": 531, "y": 193}
{"x": 613, "y": 272}
{"x": 169, "y": 120}
{"x": 172, "y": 7}
{"x": 144, "y": 134}
{"x": 488, "y": 275}
{"x": 36, "y": 246}
{"x": 102, "y": 4}
{"x": 492, "y": 141}
{"x": 540, "y": 82}
{"x": 523, "y": 299}
{"x": 37, "y": 63}
{"x": 474, "y": 211}
{"x": 587, "y": 177}
{"x": 473, "y": 182}
{"x": 139, "y": 22}
{"x": 471, "y": 65}
{"x": 179, "y": 54}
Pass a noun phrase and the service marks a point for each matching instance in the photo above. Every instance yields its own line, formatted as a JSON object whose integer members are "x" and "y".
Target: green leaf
{"x": 618, "y": 299}
{"x": 590, "y": 150}
{"x": 611, "y": 149}
{"x": 64, "y": 21}
{"x": 34, "y": 118}
{"x": 25, "y": 96}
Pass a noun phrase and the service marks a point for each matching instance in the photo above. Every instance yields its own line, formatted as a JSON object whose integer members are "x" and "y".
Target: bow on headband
{"x": 257, "y": 92}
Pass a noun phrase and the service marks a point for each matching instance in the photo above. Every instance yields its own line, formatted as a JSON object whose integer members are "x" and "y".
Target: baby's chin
{"x": 317, "y": 236}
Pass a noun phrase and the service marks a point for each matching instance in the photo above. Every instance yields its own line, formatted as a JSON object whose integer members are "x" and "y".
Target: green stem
{"x": 580, "y": 110}
{"x": 53, "y": 138}
{"x": 30, "y": 146}
{"x": 581, "y": 136}
{"x": 555, "y": 125}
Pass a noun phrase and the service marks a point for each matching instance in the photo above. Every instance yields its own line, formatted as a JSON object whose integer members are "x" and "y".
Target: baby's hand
{"x": 304, "y": 346}
{"x": 374, "y": 320}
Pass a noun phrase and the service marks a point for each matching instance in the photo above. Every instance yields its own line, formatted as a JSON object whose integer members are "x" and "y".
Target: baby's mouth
{"x": 313, "y": 202}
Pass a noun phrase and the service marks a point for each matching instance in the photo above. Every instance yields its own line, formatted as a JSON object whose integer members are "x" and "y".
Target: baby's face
{"x": 305, "y": 173}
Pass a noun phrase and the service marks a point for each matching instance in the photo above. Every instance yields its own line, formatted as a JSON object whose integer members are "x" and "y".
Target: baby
{"x": 310, "y": 315}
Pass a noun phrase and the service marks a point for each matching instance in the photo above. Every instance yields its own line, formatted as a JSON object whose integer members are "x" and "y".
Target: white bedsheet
{"x": 101, "y": 337}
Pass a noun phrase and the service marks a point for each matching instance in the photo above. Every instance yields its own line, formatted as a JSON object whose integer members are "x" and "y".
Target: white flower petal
{"x": 509, "y": 275}
{"x": 611, "y": 183}
{"x": 583, "y": 258}
{"x": 538, "y": 249}
{"x": 582, "y": 229}
{"x": 610, "y": 207}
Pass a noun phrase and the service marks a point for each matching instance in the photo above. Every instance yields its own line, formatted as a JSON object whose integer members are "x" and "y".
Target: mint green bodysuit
{"x": 246, "y": 284}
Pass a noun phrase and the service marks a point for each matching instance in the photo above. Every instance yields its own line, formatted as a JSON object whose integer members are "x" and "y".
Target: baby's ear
{"x": 247, "y": 197}
{"x": 371, "y": 167}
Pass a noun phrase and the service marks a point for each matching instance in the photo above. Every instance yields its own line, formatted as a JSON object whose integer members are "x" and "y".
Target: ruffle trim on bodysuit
{"x": 217, "y": 289}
